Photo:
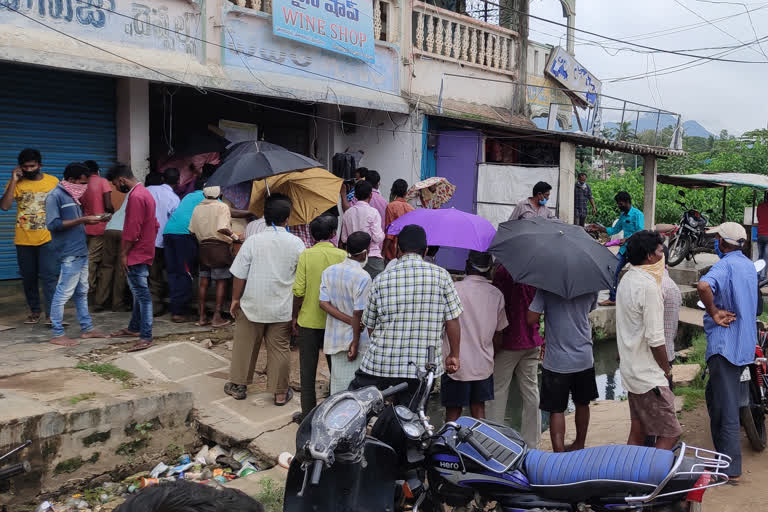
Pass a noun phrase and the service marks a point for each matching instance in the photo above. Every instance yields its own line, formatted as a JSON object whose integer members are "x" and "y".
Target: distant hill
{"x": 647, "y": 122}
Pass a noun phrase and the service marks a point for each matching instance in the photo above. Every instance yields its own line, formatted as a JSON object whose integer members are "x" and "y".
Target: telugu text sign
{"x": 342, "y": 26}
{"x": 567, "y": 71}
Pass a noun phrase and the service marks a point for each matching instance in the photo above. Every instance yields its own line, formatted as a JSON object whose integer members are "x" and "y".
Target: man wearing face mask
{"x": 728, "y": 294}
{"x": 630, "y": 222}
{"x": 137, "y": 252}
{"x": 37, "y": 259}
{"x": 644, "y": 365}
{"x": 536, "y": 205}
{"x": 65, "y": 220}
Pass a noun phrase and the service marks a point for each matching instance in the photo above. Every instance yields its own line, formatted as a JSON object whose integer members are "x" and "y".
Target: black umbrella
{"x": 559, "y": 258}
{"x": 253, "y": 160}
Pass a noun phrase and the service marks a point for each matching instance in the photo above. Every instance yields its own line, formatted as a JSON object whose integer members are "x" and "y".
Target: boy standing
{"x": 37, "y": 259}
{"x": 66, "y": 222}
{"x": 482, "y": 322}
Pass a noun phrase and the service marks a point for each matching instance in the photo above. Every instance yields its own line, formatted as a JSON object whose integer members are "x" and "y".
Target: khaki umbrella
{"x": 312, "y": 192}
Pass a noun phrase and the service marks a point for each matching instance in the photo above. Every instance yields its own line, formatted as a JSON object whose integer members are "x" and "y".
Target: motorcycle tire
{"x": 679, "y": 248}
{"x": 753, "y": 421}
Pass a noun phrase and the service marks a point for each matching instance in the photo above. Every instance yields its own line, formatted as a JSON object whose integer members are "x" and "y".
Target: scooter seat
{"x": 630, "y": 464}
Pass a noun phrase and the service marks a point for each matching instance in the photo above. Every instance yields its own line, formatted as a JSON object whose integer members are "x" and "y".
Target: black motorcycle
{"x": 471, "y": 464}
{"x": 689, "y": 237}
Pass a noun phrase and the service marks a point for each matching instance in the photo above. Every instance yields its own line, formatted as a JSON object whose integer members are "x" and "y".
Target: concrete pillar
{"x": 649, "y": 190}
{"x": 565, "y": 199}
{"x": 133, "y": 125}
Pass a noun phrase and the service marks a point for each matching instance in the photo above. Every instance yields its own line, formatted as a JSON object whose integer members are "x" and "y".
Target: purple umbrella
{"x": 449, "y": 228}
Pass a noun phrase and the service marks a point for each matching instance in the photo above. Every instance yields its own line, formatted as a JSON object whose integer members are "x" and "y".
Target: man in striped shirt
{"x": 728, "y": 292}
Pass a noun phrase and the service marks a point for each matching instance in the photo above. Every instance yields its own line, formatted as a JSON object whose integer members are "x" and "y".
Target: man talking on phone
{"x": 37, "y": 259}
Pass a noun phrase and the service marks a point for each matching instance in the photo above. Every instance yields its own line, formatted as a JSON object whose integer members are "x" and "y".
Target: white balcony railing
{"x": 448, "y": 36}
{"x": 381, "y": 15}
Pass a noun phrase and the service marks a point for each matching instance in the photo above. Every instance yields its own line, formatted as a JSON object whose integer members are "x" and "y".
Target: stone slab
{"x": 692, "y": 316}
{"x": 685, "y": 374}
{"x": 269, "y": 445}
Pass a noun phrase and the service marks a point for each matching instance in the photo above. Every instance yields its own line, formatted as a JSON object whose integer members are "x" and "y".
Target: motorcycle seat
{"x": 621, "y": 466}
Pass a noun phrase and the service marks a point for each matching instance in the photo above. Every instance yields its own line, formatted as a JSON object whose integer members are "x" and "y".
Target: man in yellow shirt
{"x": 37, "y": 259}
{"x": 308, "y": 319}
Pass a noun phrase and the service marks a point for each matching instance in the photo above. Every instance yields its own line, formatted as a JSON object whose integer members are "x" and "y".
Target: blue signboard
{"x": 342, "y": 26}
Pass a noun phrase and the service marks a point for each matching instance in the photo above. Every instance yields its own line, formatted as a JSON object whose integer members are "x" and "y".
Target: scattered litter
{"x": 158, "y": 470}
{"x": 214, "y": 453}
{"x": 206, "y": 343}
{"x": 201, "y": 455}
{"x": 247, "y": 469}
{"x": 211, "y": 465}
{"x": 191, "y": 338}
{"x": 229, "y": 345}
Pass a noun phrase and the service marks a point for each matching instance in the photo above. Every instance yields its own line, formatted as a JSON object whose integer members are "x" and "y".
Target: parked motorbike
{"x": 689, "y": 237}
{"x": 470, "y": 464}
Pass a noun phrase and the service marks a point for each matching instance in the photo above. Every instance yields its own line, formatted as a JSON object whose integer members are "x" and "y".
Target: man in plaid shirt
{"x": 408, "y": 307}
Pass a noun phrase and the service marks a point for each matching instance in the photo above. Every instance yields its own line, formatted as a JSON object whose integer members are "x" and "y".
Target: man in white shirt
{"x": 262, "y": 297}
{"x": 644, "y": 364}
{"x": 166, "y": 202}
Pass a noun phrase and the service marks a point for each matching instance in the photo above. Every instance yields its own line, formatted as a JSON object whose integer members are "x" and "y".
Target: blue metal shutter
{"x": 69, "y": 117}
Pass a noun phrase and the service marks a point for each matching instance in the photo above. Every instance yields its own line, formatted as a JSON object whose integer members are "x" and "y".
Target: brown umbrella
{"x": 312, "y": 192}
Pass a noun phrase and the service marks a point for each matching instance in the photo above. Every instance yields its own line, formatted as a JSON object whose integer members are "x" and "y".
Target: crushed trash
{"x": 206, "y": 343}
{"x": 211, "y": 465}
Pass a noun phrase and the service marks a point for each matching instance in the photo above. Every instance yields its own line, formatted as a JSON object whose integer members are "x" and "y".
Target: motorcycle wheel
{"x": 753, "y": 421}
{"x": 679, "y": 247}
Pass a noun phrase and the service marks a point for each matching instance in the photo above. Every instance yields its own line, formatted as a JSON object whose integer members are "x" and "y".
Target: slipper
{"x": 736, "y": 480}
{"x": 32, "y": 319}
{"x": 284, "y": 460}
{"x": 179, "y": 319}
{"x": 225, "y": 323}
{"x": 141, "y": 345}
{"x": 607, "y": 303}
{"x": 288, "y": 397}
{"x": 203, "y": 324}
{"x": 49, "y": 323}
{"x": 63, "y": 341}
{"x": 92, "y": 335}
{"x": 124, "y": 333}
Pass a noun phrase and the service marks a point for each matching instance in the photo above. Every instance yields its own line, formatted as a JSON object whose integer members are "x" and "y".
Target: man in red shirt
{"x": 138, "y": 252}
{"x": 97, "y": 200}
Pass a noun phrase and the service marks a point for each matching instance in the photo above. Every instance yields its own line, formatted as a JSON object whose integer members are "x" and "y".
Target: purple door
{"x": 458, "y": 153}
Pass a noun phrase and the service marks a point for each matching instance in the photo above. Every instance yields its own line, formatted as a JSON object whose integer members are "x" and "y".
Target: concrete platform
{"x": 688, "y": 273}
{"x": 82, "y": 425}
{"x": 203, "y": 373}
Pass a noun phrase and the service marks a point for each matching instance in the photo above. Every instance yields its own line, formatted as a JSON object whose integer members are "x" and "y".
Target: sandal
{"x": 33, "y": 319}
{"x": 225, "y": 323}
{"x": 124, "y": 333}
{"x": 288, "y": 397}
{"x": 141, "y": 345}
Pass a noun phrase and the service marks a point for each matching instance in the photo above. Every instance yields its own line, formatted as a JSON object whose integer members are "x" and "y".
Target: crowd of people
{"x": 374, "y": 303}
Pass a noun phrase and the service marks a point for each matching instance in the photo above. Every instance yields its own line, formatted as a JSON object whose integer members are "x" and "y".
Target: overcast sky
{"x": 716, "y": 94}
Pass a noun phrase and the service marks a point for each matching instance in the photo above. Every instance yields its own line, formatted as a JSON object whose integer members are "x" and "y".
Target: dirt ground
{"x": 751, "y": 494}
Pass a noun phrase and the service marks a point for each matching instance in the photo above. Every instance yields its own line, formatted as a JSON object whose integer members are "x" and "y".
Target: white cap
{"x": 212, "y": 192}
{"x": 732, "y": 232}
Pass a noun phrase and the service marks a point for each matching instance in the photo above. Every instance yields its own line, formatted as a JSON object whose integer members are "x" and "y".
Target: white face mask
{"x": 365, "y": 261}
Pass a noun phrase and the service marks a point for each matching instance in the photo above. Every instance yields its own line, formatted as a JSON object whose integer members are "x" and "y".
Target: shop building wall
{"x": 133, "y": 125}
{"x": 392, "y": 143}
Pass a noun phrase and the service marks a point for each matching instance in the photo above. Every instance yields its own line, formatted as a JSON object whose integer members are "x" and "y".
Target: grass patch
{"x": 81, "y": 398}
{"x": 107, "y": 370}
{"x": 271, "y": 495}
{"x": 693, "y": 395}
{"x": 75, "y": 463}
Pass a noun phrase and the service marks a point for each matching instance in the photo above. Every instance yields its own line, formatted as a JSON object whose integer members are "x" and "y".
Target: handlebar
{"x": 431, "y": 355}
{"x": 15, "y": 469}
{"x": 393, "y": 390}
{"x": 317, "y": 468}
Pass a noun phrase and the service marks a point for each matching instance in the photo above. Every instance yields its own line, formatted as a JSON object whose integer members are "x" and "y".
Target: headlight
{"x": 412, "y": 430}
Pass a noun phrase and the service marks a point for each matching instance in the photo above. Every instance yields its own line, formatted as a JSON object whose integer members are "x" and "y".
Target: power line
{"x": 659, "y": 50}
{"x": 681, "y": 4}
{"x": 746, "y": 11}
{"x": 204, "y": 91}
